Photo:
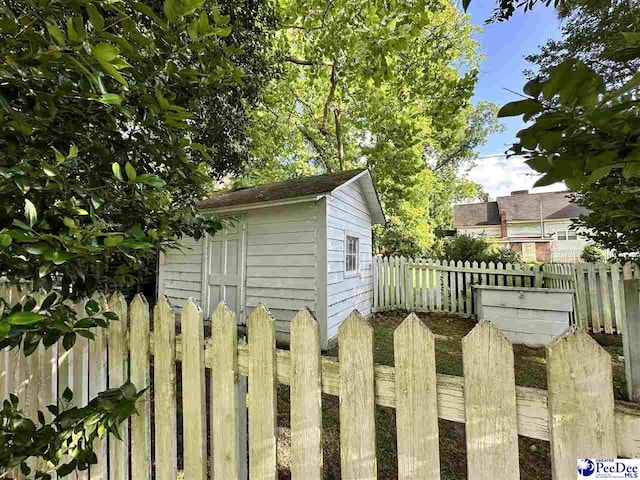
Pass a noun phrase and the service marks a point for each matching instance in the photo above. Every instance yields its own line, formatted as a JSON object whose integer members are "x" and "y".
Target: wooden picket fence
{"x": 577, "y": 415}
{"x": 432, "y": 285}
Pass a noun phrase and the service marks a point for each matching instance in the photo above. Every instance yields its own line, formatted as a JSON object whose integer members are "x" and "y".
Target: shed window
{"x": 562, "y": 235}
{"x": 352, "y": 253}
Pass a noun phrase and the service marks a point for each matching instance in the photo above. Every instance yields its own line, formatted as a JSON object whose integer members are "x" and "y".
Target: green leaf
{"x": 105, "y": 52}
{"x": 69, "y": 340}
{"x": 60, "y": 158}
{"x": 600, "y": 173}
{"x": 111, "y": 99}
{"x": 130, "y": 171}
{"x": 91, "y": 307}
{"x": 30, "y": 212}
{"x": 113, "y": 71}
{"x": 631, "y": 37}
{"x": 73, "y": 151}
{"x": 56, "y": 34}
{"x": 465, "y": 4}
{"x": 151, "y": 180}
{"x": 521, "y": 107}
{"x": 69, "y": 222}
{"x": 97, "y": 20}
{"x": 67, "y": 394}
{"x": 631, "y": 169}
{"x": 24, "y": 318}
{"x": 4, "y": 329}
{"x": 5, "y": 240}
{"x": 113, "y": 240}
{"x": 116, "y": 171}
{"x": 57, "y": 256}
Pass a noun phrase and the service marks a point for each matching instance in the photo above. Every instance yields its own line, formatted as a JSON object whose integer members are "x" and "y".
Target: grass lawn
{"x": 530, "y": 366}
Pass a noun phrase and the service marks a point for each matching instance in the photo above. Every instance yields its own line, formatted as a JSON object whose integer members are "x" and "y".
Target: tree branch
{"x": 336, "y": 115}
{"x": 299, "y": 61}
{"x": 332, "y": 94}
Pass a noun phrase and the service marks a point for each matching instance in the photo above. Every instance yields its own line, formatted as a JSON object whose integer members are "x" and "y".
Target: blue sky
{"x": 505, "y": 44}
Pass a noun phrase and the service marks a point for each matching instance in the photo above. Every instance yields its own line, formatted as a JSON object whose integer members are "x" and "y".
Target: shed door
{"x": 226, "y": 252}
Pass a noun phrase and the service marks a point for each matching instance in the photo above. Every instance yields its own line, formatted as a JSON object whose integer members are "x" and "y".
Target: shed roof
{"x": 519, "y": 207}
{"x": 297, "y": 188}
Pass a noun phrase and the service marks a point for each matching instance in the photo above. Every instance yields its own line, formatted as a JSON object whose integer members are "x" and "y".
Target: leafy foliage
{"x": 377, "y": 85}
{"x": 587, "y": 133}
{"x": 476, "y": 249}
{"x": 592, "y": 254}
{"x": 591, "y": 31}
{"x": 71, "y": 432}
{"x": 47, "y": 318}
{"x": 114, "y": 118}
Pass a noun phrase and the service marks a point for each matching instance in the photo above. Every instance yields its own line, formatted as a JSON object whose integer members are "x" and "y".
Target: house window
{"x": 572, "y": 235}
{"x": 352, "y": 253}
{"x": 562, "y": 235}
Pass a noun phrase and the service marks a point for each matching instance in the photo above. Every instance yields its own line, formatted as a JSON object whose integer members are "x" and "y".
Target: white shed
{"x": 301, "y": 243}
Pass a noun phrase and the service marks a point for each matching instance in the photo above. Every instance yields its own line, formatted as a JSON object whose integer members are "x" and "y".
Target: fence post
{"x": 631, "y": 338}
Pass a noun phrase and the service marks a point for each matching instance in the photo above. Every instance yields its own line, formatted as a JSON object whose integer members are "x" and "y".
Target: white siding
{"x": 484, "y": 230}
{"x": 347, "y": 211}
{"x": 180, "y": 274}
{"x": 281, "y": 260}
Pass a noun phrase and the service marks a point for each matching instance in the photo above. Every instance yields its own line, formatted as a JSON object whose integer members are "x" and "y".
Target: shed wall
{"x": 347, "y": 211}
{"x": 281, "y": 260}
{"x": 180, "y": 273}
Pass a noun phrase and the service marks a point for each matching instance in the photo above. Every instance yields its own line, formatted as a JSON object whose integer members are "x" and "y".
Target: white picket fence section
{"x": 573, "y": 255}
{"x": 418, "y": 284}
{"x": 577, "y": 415}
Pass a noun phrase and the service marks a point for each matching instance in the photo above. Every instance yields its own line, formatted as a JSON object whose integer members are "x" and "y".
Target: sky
{"x": 505, "y": 44}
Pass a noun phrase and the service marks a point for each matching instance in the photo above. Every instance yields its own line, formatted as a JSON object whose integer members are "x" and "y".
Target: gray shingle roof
{"x": 298, "y": 187}
{"x": 476, "y": 214}
{"x": 555, "y": 205}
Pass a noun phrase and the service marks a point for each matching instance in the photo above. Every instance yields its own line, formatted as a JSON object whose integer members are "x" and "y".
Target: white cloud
{"x": 500, "y": 175}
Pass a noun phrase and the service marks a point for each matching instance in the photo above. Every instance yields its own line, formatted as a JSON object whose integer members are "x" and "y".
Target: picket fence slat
{"x": 98, "y": 369}
{"x": 262, "y": 395}
{"x": 118, "y": 375}
{"x": 616, "y": 297}
{"x": 164, "y": 379}
{"x": 224, "y": 399}
{"x": 490, "y": 405}
{"x": 357, "y": 400}
{"x": 605, "y": 297}
{"x": 193, "y": 384}
{"x": 141, "y": 378}
{"x": 416, "y": 401}
{"x": 306, "y": 398}
{"x": 580, "y": 385}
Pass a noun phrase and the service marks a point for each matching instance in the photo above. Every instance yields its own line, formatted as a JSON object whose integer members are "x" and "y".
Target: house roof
{"x": 477, "y": 214}
{"x": 520, "y": 207}
{"x": 313, "y": 187}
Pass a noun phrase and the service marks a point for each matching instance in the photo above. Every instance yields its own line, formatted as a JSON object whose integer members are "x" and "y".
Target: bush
{"x": 592, "y": 254}
{"x": 504, "y": 255}
{"x": 466, "y": 248}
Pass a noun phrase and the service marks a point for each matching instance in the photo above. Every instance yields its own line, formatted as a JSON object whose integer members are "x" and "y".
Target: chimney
{"x": 503, "y": 223}
{"x": 520, "y": 192}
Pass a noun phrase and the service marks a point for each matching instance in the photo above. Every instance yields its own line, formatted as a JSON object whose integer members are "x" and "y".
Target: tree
{"x": 591, "y": 31}
{"x": 114, "y": 119}
{"x": 375, "y": 85}
{"x": 586, "y": 133}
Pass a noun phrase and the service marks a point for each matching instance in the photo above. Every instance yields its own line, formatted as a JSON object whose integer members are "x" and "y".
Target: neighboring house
{"x": 295, "y": 244}
{"x": 536, "y": 224}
